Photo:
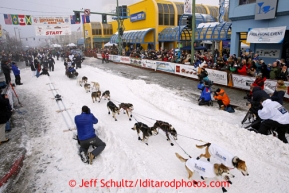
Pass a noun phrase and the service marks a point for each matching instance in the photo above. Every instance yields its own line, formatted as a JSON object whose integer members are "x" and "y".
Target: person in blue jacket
{"x": 205, "y": 98}
{"x": 16, "y": 73}
{"x": 86, "y": 135}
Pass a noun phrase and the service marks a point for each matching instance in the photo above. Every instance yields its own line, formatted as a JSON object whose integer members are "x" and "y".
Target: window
{"x": 107, "y": 29}
{"x": 161, "y": 19}
{"x": 96, "y": 28}
{"x": 166, "y": 14}
{"x": 244, "y": 2}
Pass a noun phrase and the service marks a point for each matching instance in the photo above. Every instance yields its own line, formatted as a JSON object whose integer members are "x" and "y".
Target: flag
{"x": 72, "y": 19}
{"x": 7, "y": 19}
{"x": 28, "y": 19}
{"x": 85, "y": 19}
{"x": 21, "y": 20}
{"x": 15, "y": 19}
{"x": 78, "y": 29}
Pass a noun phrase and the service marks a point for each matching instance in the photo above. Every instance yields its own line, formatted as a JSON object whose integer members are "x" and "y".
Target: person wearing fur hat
{"x": 279, "y": 92}
{"x": 203, "y": 74}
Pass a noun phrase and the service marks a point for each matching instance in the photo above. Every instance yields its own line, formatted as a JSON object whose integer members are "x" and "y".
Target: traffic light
{"x": 77, "y": 17}
{"x": 104, "y": 18}
{"x": 189, "y": 22}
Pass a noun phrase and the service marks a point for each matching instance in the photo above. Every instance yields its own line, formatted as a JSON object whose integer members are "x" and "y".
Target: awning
{"x": 213, "y": 31}
{"x": 171, "y": 34}
{"x": 266, "y": 35}
{"x": 132, "y": 36}
{"x": 181, "y": 33}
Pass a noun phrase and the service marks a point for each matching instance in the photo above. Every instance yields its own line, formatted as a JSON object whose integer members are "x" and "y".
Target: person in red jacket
{"x": 103, "y": 57}
{"x": 242, "y": 69}
{"x": 259, "y": 81}
{"x": 106, "y": 57}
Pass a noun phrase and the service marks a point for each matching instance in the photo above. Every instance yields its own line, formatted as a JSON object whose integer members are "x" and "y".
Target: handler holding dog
{"x": 86, "y": 135}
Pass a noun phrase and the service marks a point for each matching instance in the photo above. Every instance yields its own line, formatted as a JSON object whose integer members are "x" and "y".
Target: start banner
{"x": 50, "y": 30}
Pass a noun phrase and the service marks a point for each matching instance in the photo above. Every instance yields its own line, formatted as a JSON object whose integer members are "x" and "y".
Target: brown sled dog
{"x": 224, "y": 157}
{"x": 96, "y": 96}
{"x": 206, "y": 169}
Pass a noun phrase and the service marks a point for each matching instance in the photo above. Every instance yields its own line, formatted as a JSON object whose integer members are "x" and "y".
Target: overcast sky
{"x": 61, "y": 7}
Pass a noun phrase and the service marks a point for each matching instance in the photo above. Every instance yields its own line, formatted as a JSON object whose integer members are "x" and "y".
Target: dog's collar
{"x": 235, "y": 161}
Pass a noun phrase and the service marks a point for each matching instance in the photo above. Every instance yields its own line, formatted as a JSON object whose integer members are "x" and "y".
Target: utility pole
{"x": 119, "y": 25}
{"x": 15, "y": 32}
{"x": 19, "y": 35}
{"x": 193, "y": 31}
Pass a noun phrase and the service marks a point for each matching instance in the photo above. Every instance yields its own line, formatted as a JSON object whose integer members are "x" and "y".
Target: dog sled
{"x": 71, "y": 73}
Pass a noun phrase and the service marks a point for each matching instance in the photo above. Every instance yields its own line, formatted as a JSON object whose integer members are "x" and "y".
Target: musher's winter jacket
{"x": 206, "y": 92}
{"x": 84, "y": 124}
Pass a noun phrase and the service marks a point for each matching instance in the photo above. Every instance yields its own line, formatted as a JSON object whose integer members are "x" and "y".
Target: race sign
{"x": 52, "y": 30}
{"x": 51, "y": 20}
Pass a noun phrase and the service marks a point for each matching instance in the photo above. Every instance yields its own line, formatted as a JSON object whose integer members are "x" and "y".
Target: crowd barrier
{"x": 218, "y": 77}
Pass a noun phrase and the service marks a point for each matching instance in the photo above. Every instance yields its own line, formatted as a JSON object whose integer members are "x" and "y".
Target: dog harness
{"x": 205, "y": 169}
{"x": 221, "y": 155}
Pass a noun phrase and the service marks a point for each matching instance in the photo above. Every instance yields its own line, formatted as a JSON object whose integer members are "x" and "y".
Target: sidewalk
{"x": 14, "y": 152}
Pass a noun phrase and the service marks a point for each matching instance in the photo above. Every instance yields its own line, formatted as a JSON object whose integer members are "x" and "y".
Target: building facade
{"x": 148, "y": 21}
{"x": 251, "y": 21}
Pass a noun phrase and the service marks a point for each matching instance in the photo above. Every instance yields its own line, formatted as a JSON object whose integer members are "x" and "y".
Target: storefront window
{"x": 96, "y": 28}
{"x": 166, "y": 14}
{"x": 243, "y": 2}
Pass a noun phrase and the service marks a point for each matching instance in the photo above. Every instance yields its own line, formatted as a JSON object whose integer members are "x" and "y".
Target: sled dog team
{"x": 205, "y": 169}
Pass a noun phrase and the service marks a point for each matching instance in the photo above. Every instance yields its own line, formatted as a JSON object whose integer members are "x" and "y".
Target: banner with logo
{"x": 242, "y": 82}
{"x": 266, "y": 35}
{"x": 51, "y": 20}
{"x": 186, "y": 70}
{"x": 219, "y": 77}
{"x": 124, "y": 59}
{"x": 135, "y": 61}
{"x": 165, "y": 66}
{"x": 149, "y": 64}
{"x": 114, "y": 58}
{"x": 52, "y": 30}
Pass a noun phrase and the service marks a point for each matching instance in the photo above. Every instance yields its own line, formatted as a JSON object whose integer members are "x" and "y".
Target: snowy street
{"x": 52, "y": 162}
